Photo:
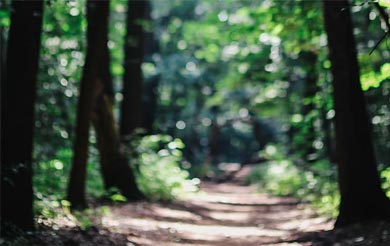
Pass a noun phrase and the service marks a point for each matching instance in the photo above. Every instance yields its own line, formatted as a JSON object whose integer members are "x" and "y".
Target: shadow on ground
{"x": 227, "y": 214}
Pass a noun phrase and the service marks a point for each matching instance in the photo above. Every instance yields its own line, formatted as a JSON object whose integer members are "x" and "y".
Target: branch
{"x": 384, "y": 16}
{"x": 379, "y": 42}
{"x": 385, "y": 19}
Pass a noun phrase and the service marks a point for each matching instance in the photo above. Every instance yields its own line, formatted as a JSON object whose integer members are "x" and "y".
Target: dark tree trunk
{"x": 115, "y": 167}
{"x": 214, "y": 134}
{"x": 131, "y": 108}
{"x": 327, "y": 127}
{"x": 150, "y": 103}
{"x": 2, "y": 44}
{"x": 309, "y": 60}
{"x": 259, "y": 133}
{"x": 18, "y": 89}
{"x": 361, "y": 195}
{"x": 90, "y": 87}
{"x": 151, "y": 83}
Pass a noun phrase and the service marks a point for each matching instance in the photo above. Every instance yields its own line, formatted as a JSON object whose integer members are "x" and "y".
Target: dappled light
{"x": 195, "y": 122}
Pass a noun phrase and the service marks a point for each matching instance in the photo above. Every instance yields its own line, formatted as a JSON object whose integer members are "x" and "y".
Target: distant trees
{"x": 361, "y": 195}
{"x": 18, "y": 89}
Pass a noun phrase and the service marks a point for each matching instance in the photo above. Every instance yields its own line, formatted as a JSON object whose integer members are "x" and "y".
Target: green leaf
{"x": 118, "y": 198}
{"x": 384, "y": 3}
{"x": 373, "y": 79}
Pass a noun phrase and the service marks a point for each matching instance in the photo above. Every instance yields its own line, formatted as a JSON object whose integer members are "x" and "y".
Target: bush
{"x": 282, "y": 177}
{"x": 159, "y": 174}
{"x": 50, "y": 181}
{"x": 385, "y": 175}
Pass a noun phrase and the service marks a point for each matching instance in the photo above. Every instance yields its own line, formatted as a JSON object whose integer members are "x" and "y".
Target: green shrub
{"x": 50, "y": 181}
{"x": 159, "y": 174}
{"x": 385, "y": 175}
{"x": 279, "y": 178}
{"x": 282, "y": 177}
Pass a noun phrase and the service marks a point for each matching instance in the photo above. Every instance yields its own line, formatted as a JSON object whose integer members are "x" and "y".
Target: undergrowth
{"x": 314, "y": 183}
{"x": 282, "y": 177}
{"x": 160, "y": 176}
{"x": 156, "y": 161}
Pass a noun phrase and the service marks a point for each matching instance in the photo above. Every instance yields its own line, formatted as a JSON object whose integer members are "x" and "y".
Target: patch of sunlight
{"x": 384, "y": 3}
{"x": 307, "y": 225}
{"x": 374, "y": 79}
{"x": 231, "y": 216}
{"x": 296, "y": 118}
{"x": 270, "y": 150}
{"x": 201, "y": 230}
{"x": 58, "y": 165}
{"x": 170, "y": 213}
{"x": 180, "y": 125}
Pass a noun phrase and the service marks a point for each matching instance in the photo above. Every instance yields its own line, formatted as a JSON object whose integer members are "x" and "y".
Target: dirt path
{"x": 225, "y": 214}
{"x": 221, "y": 214}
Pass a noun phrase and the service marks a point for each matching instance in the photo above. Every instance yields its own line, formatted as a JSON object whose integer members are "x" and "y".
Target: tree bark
{"x": 309, "y": 60}
{"x": 115, "y": 168}
{"x": 361, "y": 195}
{"x": 18, "y": 90}
{"x": 2, "y": 44}
{"x": 97, "y": 17}
{"x": 152, "y": 48}
{"x": 131, "y": 108}
{"x": 150, "y": 104}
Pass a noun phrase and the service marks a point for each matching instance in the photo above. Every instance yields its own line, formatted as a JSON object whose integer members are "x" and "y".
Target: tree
{"x": 115, "y": 167}
{"x": 151, "y": 81}
{"x": 18, "y": 89}
{"x": 97, "y": 17}
{"x": 308, "y": 60}
{"x": 2, "y": 42}
{"x": 96, "y": 105}
{"x": 131, "y": 108}
{"x": 361, "y": 195}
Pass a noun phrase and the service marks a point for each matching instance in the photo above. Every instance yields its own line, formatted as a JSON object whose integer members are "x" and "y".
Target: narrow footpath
{"x": 221, "y": 214}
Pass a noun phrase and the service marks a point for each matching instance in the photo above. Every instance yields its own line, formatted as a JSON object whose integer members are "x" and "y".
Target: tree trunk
{"x": 2, "y": 44}
{"x": 214, "y": 135}
{"x": 151, "y": 83}
{"x": 361, "y": 195}
{"x": 115, "y": 168}
{"x": 97, "y": 17}
{"x": 259, "y": 133}
{"x": 18, "y": 89}
{"x": 131, "y": 108}
{"x": 309, "y": 60}
{"x": 150, "y": 103}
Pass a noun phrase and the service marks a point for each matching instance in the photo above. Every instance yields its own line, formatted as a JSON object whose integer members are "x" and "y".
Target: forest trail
{"x": 220, "y": 214}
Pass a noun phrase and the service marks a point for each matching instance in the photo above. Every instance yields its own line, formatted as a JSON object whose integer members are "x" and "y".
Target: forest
{"x": 195, "y": 122}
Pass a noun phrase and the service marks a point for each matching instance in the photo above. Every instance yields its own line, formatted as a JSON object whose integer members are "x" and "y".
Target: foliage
{"x": 373, "y": 79}
{"x": 384, "y": 3}
{"x": 50, "y": 182}
{"x": 282, "y": 177}
{"x": 90, "y": 217}
{"x": 218, "y": 61}
{"x": 385, "y": 174}
{"x": 160, "y": 176}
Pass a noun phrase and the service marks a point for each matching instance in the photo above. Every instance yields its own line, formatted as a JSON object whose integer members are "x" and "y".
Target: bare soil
{"x": 225, "y": 214}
